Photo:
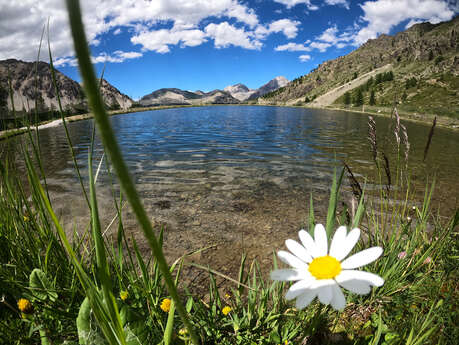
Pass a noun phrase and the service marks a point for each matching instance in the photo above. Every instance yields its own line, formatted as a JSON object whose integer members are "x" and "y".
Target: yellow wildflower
{"x": 26, "y": 219}
{"x": 226, "y": 310}
{"x": 165, "y": 305}
{"x": 124, "y": 295}
{"x": 25, "y": 306}
{"x": 227, "y": 295}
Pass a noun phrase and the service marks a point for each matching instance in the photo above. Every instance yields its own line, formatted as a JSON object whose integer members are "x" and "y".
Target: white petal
{"x": 291, "y": 260}
{"x": 360, "y": 287}
{"x": 299, "y": 288}
{"x": 320, "y": 239}
{"x": 338, "y": 241}
{"x": 305, "y": 299}
{"x": 370, "y": 278}
{"x": 362, "y": 258}
{"x": 308, "y": 243}
{"x": 338, "y": 302}
{"x": 288, "y": 274}
{"x": 298, "y": 250}
{"x": 325, "y": 294}
{"x": 347, "y": 245}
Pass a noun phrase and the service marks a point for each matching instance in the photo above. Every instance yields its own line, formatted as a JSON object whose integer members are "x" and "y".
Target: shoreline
{"x": 442, "y": 121}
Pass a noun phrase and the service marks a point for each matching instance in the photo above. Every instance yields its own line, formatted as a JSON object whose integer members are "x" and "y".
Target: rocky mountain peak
{"x": 26, "y": 93}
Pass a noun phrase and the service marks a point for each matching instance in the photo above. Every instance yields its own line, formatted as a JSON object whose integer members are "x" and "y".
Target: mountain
{"x": 113, "y": 98}
{"x": 239, "y": 91}
{"x": 270, "y": 86}
{"x": 243, "y": 93}
{"x": 418, "y": 68}
{"x": 23, "y": 75}
{"x": 172, "y": 96}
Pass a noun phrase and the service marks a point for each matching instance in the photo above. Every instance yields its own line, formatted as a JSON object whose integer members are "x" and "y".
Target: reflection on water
{"x": 237, "y": 176}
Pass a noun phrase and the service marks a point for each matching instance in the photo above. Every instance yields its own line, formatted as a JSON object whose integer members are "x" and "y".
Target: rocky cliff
{"x": 243, "y": 93}
{"x": 33, "y": 87}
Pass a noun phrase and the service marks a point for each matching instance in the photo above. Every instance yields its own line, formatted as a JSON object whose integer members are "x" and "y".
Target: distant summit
{"x": 270, "y": 86}
{"x": 239, "y": 91}
{"x": 173, "y": 96}
{"x": 243, "y": 93}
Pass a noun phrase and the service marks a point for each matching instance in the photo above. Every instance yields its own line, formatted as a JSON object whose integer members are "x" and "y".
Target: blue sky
{"x": 208, "y": 44}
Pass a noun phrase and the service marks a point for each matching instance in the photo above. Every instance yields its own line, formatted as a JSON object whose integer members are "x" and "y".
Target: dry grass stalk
{"x": 372, "y": 137}
{"x": 355, "y": 185}
{"x": 397, "y": 127}
{"x": 406, "y": 143}
{"x": 387, "y": 170}
{"x": 429, "y": 139}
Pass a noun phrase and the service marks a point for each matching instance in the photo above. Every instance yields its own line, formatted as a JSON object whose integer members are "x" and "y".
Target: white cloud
{"x": 321, "y": 46}
{"x": 383, "y": 15}
{"x": 311, "y": 6}
{"x": 292, "y": 47}
{"x": 159, "y": 40}
{"x": 292, "y": 3}
{"x": 225, "y": 34}
{"x": 344, "y": 3}
{"x": 288, "y": 27}
{"x": 118, "y": 56}
{"x": 21, "y": 22}
{"x": 117, "y": 31}
{"x": 305, "y": 57}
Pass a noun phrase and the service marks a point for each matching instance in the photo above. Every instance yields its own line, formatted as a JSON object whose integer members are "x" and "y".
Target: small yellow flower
{"x": 124, "y": 295}
{"x": 226, "y": 310}
{"x": 165, "y": 305}
{"x": 227, "y": 295}
{"x": 25, "y": 306}
{"x": 26, "y": 219}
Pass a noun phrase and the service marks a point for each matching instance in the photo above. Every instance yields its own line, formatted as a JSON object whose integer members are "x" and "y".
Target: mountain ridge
{"x": 25, "y": 96}
{"x": 424, "y": 63}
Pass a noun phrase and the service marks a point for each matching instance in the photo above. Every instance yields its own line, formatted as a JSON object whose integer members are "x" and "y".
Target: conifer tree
{"x": 372, "y": 98}
{"x": 347, "y": 98}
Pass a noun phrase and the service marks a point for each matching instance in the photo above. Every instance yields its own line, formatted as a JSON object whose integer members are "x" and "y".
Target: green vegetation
{"x": 425, "y": 53}
{"x": 88, "y": 289}
{"x": 436, "y": 96}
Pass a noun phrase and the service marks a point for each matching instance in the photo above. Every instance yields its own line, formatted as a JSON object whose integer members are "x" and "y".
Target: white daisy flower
{"x": 320, "y": 272}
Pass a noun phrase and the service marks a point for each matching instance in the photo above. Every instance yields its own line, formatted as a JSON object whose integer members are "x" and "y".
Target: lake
{"x": 238, "y": 178}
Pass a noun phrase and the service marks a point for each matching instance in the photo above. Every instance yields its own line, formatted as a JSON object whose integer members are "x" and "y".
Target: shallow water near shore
{"x": 236, "y": 179}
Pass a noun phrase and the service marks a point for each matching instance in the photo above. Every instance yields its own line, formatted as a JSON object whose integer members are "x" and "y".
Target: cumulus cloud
{"x": 344, "y": 3}
{"x": 293, "y": 47}
{"x": 332, "y": 37}
{"x": 288, "y": 27}
{"x": 153, "y": 25}
{"x": 160, "y": 40}
{"x": 225, "y": 34}
{"x": 304, "y": 57}
{"x": 160, "y": 25}
{"x": 310, "y": 5}
{"x": 382, "y": 15}
{"x": 118, "y": 56}
{"x": 292, "y": 3}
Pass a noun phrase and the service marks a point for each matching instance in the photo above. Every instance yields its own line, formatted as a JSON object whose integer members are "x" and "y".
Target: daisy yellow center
{"x": 325, "y": 267}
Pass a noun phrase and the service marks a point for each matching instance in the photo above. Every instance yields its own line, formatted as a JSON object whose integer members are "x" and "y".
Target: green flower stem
{"x": 111, "y": 145}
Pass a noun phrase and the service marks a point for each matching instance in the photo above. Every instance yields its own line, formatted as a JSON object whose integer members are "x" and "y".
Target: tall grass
{"x": 87, "y": 289}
